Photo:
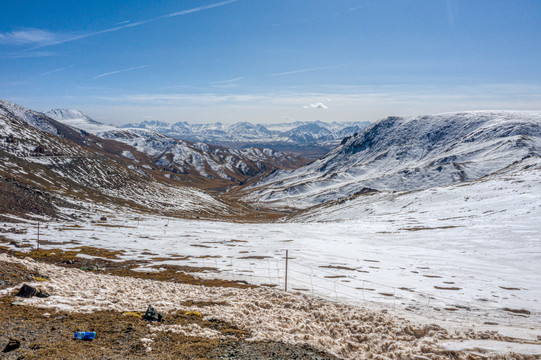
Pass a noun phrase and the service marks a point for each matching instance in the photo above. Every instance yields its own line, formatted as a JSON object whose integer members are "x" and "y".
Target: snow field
{"x": 345, "y": 331}
{"x": 464, "y": 269}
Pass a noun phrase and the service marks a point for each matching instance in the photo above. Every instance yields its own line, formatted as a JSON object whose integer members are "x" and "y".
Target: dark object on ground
{"x": 103, "y": 218}
{"x": 27, "y": 291}
{"x": 42, "y": 294}
{"x": 12, "y": 345}
{"x": 152, "y": 314}
{"x": 91, "y": 267}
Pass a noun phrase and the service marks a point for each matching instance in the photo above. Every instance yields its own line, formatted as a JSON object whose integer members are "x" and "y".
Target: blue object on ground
{"x": 84, "y": 335}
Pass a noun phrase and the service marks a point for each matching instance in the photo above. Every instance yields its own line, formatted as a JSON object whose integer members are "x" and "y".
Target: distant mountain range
{"x": 307, "y": 138}
{"x": 48, "y": 167}
{"x": 196, "y": 163}
{"x": 45, "y": 162}
{"x": 406, "y": 154}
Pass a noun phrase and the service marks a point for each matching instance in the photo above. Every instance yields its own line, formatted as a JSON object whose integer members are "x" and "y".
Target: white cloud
{"x": 28, "y": 54}
{"x": 231, "y": 83}
{"x": 29, "y": 36}
{"x": 227, "y": 81}
{"x": 318, "y": 105}
{"x": 119, "y": 71}
{"x": 299, "y": 71}
{"x": 52, "y": 71}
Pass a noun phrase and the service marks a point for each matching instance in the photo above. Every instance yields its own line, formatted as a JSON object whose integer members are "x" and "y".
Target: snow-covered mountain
{"x": 46, "y": 165}
{"x": 77, "y": 119}
{"x": 404, "y": 154}
{"x": 285, "y": 135}
{"x": 179, "y": 159}
{"x": 30, "y": 117}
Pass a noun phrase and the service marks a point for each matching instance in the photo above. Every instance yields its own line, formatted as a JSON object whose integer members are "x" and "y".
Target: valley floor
{"x": 477, "y": 277}
{"x": 205, "y": 319}
{"x": 402, "y": 275}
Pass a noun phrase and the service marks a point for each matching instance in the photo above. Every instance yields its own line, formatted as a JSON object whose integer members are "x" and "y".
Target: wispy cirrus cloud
{"x": 234, "y": 80}
{"x": 30, "y": 36}
{"x": 299, "y": 71}
{"x": 28, "y": 54}
{"x": 52, "y": 71}
{"x": 119, "y": 71}
{"x": 231, "y": 83}
{"x": 124, "y": 25}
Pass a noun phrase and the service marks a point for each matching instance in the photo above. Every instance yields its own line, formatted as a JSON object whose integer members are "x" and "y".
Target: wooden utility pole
{"x": 287, "y": 258}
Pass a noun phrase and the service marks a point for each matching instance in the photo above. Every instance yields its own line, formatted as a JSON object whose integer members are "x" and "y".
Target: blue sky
{"x": 270, "y": 60}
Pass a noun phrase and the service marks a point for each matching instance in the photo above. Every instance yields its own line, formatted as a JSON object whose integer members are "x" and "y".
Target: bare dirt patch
{"x": 518, "y": 311}
{"x": 510, "y": 288}
{"x": 173, "y": 273}
{"x": 454, "y": 288}
{"x": 256, "y": 257}
{"x": 13, "y": 274}
{"x": 337, "y": 267}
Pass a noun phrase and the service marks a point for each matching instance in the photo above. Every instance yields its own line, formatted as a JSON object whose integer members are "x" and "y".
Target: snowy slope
{"x": 30, "y": 117}
{"x": 77, "y": 119}
{"x": 511, "y": 194}
{"x": 408, "y": 154}
{"x": 463, "y": 252}
{"x": 178, "y": 157}
{"x": 58, "y": 162}
{"x": 181, "y": 157}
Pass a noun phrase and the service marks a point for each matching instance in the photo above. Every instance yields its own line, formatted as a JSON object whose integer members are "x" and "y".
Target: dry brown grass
{"x": 173, "y": 273}
{"x": 48, "y": 334}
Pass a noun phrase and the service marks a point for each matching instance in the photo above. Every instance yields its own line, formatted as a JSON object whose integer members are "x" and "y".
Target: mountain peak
{"x": 77, "y": 119}
{"x": 66, "y": 114}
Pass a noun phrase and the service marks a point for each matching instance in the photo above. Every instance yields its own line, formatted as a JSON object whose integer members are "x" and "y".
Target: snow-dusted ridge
{"x": 76, "y": 119}
{"x": 403, "y": 154}
{"x": 33, "y": 118}
{"x": 54, "y": 161}
{"x": 179, "y": 157}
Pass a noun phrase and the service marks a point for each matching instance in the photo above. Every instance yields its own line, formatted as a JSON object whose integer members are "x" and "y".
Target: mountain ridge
{"x": 404, "y": 154}
{"x": 296, "y": 135}
{"x": 184, "y": 160}
{"x": 47, "y": 167}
